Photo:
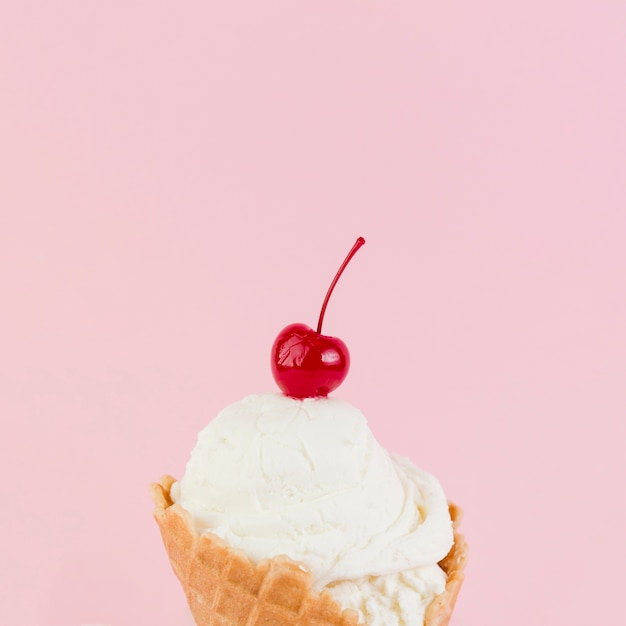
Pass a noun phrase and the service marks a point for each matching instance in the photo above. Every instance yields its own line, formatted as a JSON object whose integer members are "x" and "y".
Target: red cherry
{"x": 307, "y": 364}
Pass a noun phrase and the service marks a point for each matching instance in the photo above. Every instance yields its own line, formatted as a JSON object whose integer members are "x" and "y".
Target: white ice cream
{"x": 274, "y": 475}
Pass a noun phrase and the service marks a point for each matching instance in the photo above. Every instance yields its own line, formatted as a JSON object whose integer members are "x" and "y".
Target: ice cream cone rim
{"x": 176, "y": 523}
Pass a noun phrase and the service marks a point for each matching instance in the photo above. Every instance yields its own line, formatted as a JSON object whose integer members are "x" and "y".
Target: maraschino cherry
{"x": 307, "y": 364}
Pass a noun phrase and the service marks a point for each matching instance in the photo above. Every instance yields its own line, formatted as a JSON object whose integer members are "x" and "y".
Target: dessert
{"x": 291, "y": 513}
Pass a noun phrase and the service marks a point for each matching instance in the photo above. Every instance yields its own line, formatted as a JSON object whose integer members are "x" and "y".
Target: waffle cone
{"x": 224, "y": 588}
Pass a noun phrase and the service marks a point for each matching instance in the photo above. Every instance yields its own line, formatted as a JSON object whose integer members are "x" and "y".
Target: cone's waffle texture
{"x": 224, "y": 588}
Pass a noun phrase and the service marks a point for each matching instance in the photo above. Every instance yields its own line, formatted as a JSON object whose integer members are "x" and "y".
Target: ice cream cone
{"x": 224, "y": 588}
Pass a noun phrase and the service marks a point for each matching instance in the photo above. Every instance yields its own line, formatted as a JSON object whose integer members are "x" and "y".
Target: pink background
{"x": 178, "y": 181}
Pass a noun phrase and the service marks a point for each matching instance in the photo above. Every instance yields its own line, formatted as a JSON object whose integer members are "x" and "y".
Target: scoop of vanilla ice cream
{"x": 306, "y": 478}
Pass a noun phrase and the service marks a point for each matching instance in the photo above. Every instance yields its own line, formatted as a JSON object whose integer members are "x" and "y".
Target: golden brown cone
{"x": 224, "y": 588}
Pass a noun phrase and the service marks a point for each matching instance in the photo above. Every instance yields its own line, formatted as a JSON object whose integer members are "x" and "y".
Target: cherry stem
{"x": 358, "y": 243}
